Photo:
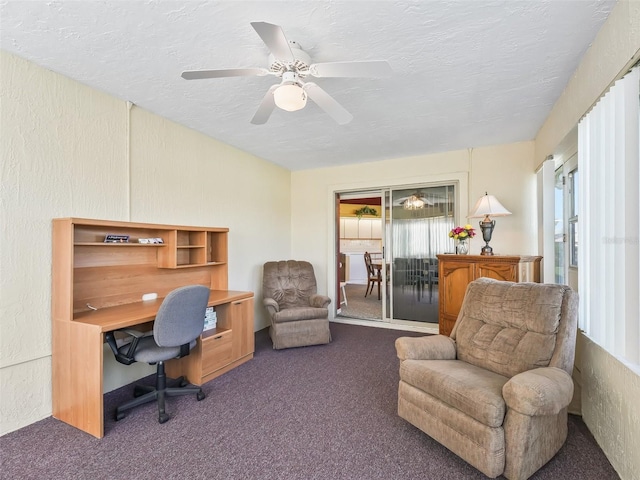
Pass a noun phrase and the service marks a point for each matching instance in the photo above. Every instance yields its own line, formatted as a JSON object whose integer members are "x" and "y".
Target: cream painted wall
{"x": 180, "y": 176}
{"x": 609, "y": 390}
{"x": 63, "y": 153}
{"x": 312, "y": 193}
{"x": 66, "y": 151}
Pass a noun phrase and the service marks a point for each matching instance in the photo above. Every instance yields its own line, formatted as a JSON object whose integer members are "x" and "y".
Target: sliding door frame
{"x": 461, "y": 181}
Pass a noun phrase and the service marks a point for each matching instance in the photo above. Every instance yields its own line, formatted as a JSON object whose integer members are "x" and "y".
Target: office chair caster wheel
{"x": 200, "y": 396}
{"x": 163, "y": 418}
{"x": 119, "y": 416}
{"x": 183, "y": 383}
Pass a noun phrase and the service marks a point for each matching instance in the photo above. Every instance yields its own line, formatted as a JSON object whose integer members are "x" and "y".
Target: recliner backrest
{"x": 289, "y": 282}
{"x": 180, "y": 318}
{"x": 510, "y": 328}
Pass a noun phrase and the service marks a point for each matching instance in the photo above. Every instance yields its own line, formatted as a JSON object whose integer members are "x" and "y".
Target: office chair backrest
{"x": 180, "y": 318}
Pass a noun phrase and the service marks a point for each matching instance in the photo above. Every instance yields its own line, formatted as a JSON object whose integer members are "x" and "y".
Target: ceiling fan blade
{"x": 376, "y": 68}
{"x": 274, "y": 38}
{"x": 266, "y": 107}
{"x": 327, "y": 103}
{"x": 230, "y": 72}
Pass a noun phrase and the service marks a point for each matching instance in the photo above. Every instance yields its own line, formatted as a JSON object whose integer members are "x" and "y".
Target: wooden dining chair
{"x": 373, "y": 276}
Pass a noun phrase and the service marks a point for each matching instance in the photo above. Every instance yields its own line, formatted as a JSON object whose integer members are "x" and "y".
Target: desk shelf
{"x": 112, "y": 277}
{"x": 117, "y": 245}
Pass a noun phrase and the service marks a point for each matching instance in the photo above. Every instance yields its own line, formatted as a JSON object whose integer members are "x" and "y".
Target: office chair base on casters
{"x": 145, "y": 394}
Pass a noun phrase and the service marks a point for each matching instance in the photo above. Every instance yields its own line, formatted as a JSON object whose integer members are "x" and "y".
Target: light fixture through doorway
{"x": 413, "y": 203}
{"x": 416, "y": 201}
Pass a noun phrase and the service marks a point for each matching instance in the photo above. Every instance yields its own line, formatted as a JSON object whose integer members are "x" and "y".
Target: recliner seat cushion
{"x": 508, "y": 328}
{"x": 295, "y": 314}
{"x": 472, "y": 390}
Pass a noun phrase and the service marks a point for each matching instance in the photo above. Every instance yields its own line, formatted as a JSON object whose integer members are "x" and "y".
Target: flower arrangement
{"x": 461, "y": 233}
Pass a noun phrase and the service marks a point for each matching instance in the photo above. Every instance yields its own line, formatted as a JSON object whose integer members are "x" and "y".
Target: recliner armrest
{"x": 319, "y": 301}
{"x": 542, "y": 391}
{"x": 272, "y": 305}
{"x": 433, "y": 347}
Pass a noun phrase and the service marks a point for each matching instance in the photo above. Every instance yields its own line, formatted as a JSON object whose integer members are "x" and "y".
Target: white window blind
{"x": 608, "y": 220}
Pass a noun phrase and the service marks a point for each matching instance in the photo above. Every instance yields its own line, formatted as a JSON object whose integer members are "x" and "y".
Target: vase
{"x": 463, "y": 246}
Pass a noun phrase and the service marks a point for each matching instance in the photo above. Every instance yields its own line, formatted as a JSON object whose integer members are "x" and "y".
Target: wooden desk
{"x": 112, "y": 278}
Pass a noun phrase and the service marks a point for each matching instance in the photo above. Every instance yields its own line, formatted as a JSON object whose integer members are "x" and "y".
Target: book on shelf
{"x": 210, "y": 318}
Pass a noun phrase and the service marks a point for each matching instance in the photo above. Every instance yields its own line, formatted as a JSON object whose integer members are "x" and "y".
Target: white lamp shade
{"x": 488, "y": 205}
{"x": 290, "y": 97}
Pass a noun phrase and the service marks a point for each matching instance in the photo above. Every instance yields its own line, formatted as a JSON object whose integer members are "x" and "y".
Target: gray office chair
{"x": 179, "y": 322}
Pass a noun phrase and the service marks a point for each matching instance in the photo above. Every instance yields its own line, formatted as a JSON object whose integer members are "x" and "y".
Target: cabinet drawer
{"x": 216, "y": 352}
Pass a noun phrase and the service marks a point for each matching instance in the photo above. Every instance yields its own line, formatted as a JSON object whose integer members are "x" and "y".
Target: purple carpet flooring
{"x": 323, "y": 412}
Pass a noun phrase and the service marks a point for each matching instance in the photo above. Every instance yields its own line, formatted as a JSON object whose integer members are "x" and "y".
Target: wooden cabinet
{"x": 97, "y": 287}
{"x": 457, "y": 271}
{"x": 360, "y": 228}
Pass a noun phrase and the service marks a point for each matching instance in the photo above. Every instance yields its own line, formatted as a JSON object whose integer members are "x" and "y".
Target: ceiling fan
{"x": 415, "y": 201}
{"x": 290, "y": 63}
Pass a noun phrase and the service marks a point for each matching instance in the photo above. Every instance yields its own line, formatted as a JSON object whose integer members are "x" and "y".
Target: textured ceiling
{"x": 466, "y": 73}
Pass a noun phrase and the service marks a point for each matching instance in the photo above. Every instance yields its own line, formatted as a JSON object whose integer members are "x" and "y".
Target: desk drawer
{"x": 216, "y": 352}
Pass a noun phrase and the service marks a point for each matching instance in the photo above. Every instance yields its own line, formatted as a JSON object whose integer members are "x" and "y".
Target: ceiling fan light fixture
{"x": 290, "y": 97}
{"x": 414, "y": 203}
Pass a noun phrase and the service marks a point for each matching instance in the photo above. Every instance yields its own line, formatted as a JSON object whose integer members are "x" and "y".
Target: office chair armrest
{"x": 124, "y": 358}
{"x": 319, "y": 301}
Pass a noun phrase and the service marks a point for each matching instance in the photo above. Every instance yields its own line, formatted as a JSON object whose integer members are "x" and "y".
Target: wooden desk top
{"x": 130, "y": 314}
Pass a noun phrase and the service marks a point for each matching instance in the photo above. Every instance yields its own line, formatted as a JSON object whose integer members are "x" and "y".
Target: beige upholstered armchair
{"x": 496, "y": 392}
{"x": 299, "y": 316}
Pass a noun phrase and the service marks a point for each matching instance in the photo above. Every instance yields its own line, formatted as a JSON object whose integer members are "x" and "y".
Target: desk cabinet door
{"x": 241, "y": 314}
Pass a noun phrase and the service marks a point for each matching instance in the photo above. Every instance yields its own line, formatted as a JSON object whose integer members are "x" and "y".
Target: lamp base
{"x": 487, "y": 230}
{"x": 486, "y": 250}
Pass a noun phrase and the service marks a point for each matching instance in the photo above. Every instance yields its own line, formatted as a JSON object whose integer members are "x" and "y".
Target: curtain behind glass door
{"x": 421, "y": 219}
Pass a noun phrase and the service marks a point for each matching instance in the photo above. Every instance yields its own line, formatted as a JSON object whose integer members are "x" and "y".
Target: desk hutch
{"x": 457, "y": 271}
{"x": 97, "y": 287}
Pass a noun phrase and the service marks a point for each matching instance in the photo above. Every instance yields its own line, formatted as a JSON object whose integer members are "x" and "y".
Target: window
{"x": 573, "y": 218}
{"x": 609, "y": 212}
{"x": 558, "y": 229}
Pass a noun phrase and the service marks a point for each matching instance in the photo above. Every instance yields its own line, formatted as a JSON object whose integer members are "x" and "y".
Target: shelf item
{"x": 98, "y": 287}
{"x": 457, "y": 271}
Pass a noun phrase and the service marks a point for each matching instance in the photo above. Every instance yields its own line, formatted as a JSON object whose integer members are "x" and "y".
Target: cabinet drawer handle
{"x": 237, "y": 303}
{"x": 218, "y": 337}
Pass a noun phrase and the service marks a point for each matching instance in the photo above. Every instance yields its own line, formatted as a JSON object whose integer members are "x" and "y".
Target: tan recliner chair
{"x": 496, "y": 392}
{"x": 299, "y": 316}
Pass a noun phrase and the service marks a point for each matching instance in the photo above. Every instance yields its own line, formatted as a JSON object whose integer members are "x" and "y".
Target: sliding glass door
{"x": 412, "y": 227}
{"x": 421, "y": 219}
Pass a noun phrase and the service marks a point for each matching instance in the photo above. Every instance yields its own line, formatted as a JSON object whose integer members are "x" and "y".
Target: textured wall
{"x": 63, "y": 154}
{"x": 180, "y": 176}
{"x": 66, "y": 151}
{"x": 610, "y": 393}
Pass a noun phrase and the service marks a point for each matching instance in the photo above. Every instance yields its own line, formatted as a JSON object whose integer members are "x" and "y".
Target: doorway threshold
{"x": 431, "y": 328}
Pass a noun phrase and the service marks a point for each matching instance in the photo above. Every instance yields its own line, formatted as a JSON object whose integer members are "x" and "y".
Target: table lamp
{"x": 485, "y": 206}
